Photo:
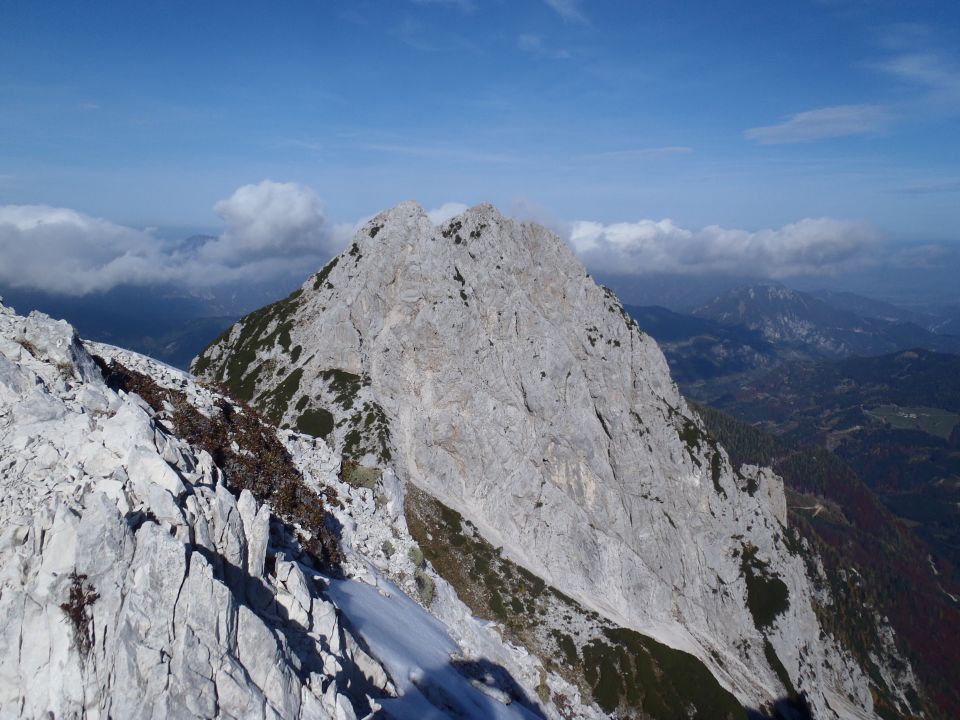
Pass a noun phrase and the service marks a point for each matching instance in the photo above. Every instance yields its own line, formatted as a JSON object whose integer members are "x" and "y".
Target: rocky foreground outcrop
{"x": 137, "y": 580}
{"x": 479, "y": 361}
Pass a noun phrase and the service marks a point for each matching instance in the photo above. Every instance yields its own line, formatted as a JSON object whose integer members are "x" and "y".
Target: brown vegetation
{"x": 261, "y": 465}
{"x": 81, "y": 597}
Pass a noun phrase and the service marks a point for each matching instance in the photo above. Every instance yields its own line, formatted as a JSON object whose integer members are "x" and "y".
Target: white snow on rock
{"x": 134, "y": 584}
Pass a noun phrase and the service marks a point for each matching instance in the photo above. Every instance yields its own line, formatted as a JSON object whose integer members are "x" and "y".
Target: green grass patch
{"x": 932, "y": 421}
{"x": 321, "y": 277}
{"x": 274, "y": 404}
{"x": 620, "y": 670}
{"x": 260, "y": 330}
{"x": 767, "y": 595}
{"x": 317, "y": 422}
{"x": 359, "y": 476}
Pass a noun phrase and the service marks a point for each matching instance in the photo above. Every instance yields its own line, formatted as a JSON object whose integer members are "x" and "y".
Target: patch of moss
{"x": 716, "y": 468}
{"x": 201, "y": 364}
{"x": 344, "y": 385}
{"x": 245, "y": 386}
{"x": 359, "y": 476}
{"x": 690, "y": 435}
{"x": 425, "y": 586}
{"x": 567, "y": 647}
{"x": 317, "y": 422}
{"x": 324, "y": 273}
{"x": 767, "y": 595}
{"x": 416, "y": 556}
{"x": 367, "y": 430}
{"x": 621, "y": 670}
{"x": 275, "y": 403}
{"x": 258, "y": 331}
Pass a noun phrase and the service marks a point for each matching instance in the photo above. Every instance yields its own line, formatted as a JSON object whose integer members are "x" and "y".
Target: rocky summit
{"x": 551, "y": 472}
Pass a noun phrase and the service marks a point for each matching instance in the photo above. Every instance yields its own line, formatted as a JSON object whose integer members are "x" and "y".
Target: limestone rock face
{"x": 132, "y": 583}
{"x": 135, "y": 584}
{"x": 507, "y": 384}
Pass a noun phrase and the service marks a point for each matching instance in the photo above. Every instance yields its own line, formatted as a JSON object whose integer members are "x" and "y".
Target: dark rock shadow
{"x": 498, "y": 678}
{"x": 787, "y": 708}
{"x": 494, "y": 684}
{"x": 257, "y": 596}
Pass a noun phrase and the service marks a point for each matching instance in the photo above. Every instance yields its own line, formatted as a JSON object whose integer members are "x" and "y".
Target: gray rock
{"x": 154, "y": 571}
{"x": 518, "y": 392}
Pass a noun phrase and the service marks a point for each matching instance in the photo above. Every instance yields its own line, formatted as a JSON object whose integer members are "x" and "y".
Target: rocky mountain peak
{"x": 480, "y": 363}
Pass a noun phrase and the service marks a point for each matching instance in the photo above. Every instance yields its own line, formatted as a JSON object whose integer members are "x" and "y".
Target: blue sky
{"x": 748, "y": 115}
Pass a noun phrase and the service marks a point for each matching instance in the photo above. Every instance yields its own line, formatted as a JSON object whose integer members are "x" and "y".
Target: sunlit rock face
{"x": 480, "y": 361}
{"x": 140, "y": 577}
{"x": 133, "y": 583}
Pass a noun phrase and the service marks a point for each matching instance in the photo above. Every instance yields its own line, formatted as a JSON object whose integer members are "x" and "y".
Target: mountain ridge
{"x": 450, "y": 331}
{"x": 804, "y": 323}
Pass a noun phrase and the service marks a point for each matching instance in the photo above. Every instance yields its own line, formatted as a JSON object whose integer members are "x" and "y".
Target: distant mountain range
{"x": 702, "y": 349}
{"x": 869, "y": 308}
{"x": 808, "y": 325}
{"x": 759, "y": 326}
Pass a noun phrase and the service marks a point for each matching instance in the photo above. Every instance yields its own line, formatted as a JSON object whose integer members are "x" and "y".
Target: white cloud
{"x": 446, "y": 211}
{"x": 659, "y": 246}
{"x": 936, "y": 76}
{"x": 268, "y": 219}
{"x": 821, "y": 124}
{"x": 272, "y": 230}
{"x": 65, "y": 251}
{"x": 569, "y": 10}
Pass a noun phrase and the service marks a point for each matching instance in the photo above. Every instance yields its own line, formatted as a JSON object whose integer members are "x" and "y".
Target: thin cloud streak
{"x": 640, "y": 153}
{"x": 931, "y": 188}
{"x": 440, "y": 151}
{"x": 937, "y": 77}
{"x": 569, "y": 10}
{"x": 822, "y": 124}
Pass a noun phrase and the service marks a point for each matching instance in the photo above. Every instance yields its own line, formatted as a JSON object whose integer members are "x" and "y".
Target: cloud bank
{"x": 271, "y": 230}
{"x": 822, "y": 245}
{"x": 279, "y": 231}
